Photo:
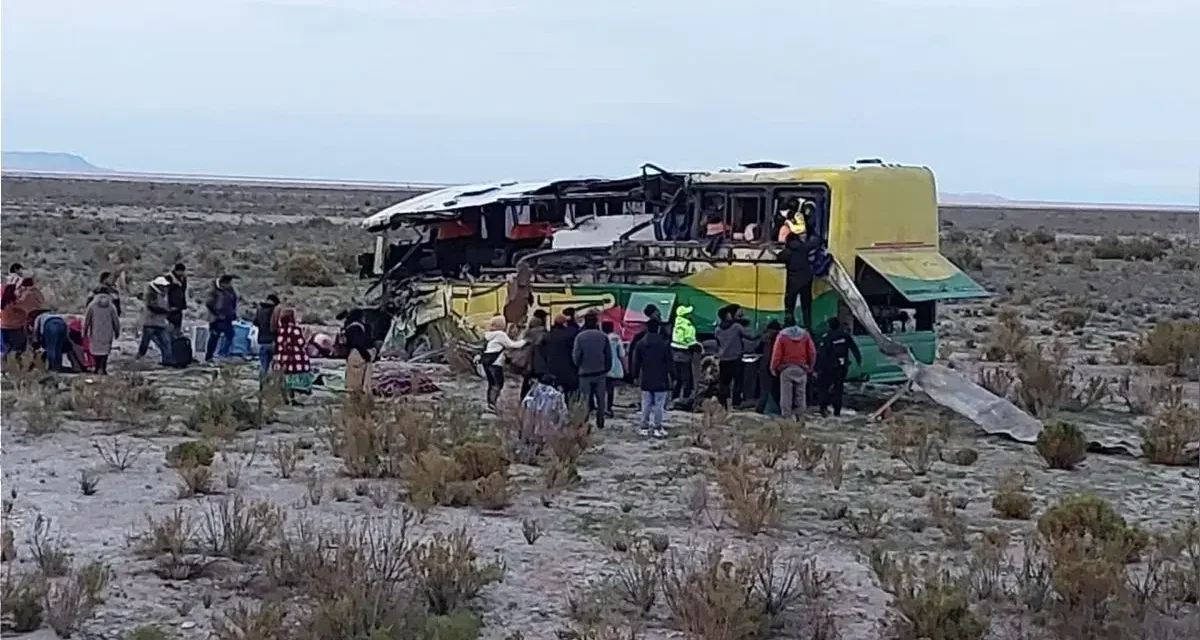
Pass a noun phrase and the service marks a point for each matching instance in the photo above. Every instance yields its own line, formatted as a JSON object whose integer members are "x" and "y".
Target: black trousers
{"x": 683, "y": 385}
{"x": 768, "y": 386}
{"x": 729, "y": 382}
{"x": 831, "y": 385}
{"x": 798, "y": 288}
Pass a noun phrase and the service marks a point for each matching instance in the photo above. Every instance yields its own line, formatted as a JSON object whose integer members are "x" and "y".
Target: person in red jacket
{"x": 792, "y": 360}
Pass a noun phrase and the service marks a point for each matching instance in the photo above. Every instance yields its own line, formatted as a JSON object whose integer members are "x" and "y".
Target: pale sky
{"x": 1053, "y": 99}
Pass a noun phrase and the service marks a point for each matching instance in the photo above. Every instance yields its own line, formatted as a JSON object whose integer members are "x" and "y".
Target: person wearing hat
{"x": 177, "y": 295}
{"x": 266, "y": 322}
{"x": 221, "y": 303}
{"x": 155, "y": 327}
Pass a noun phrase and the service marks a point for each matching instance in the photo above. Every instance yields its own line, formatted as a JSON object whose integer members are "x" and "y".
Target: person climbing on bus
{"x": 798, "y": 275}
{"x": 685, "y": 348}
{"x": 792, "y": 359}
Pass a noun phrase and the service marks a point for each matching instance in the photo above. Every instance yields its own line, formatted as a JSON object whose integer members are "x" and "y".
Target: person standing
{"x": 264, "y": 322}
{"x": 520, "y": 295}
{"x": 360, "y": 356}
{"x": 792, "y": 359}
{"x": 535, "y": 352}
{"x": 685, "y": 350}
{"x": 177, "y": 284}
{"x": 155, "y": 325}
{"x": 558, "y": 346}
{"x": 592, "y": 356}
{"x": 833, "y": 361}
{"x": 498, "y": 341}
{"x": 101, "y": 326}
{"x": 768, "y": 383}
{"x": 651, "y": 363}
{"x": 108, "y": 287}
{"x": 12, "y": 282}
{"x": 290, "y": 359}
{"x": 616, "y": 372}
{"x": 731, "y": 336}
{"x": 222, "y": 309}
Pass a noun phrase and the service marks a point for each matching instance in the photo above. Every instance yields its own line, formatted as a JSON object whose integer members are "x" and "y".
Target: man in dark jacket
{"x": 592, "y": 354}
{"x": 557, "y": 346}
{"x": 731, "y": 339}
{"x": 177, "y": 295}
{"x": 651, "y": 363}
{"x": 263, "y": 321}
{"x": 222, "y": 309}
{"x": 798, "y": 276}
{"x": 833, "y": 360}
{"x": 534, "y": 352}
{"x": 768, "y": 384}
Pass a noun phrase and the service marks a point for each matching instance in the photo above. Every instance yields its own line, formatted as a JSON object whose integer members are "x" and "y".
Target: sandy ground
{"x": 628, "y": 483}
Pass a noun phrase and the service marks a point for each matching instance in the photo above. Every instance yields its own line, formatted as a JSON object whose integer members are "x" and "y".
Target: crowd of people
{"x": 777, "y": 370}
{"x": 86, "y": 341}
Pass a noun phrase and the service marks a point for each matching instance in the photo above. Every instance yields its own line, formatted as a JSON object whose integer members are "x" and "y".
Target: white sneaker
{"x": 644, "y": 432}
{"x": 660, "y": 433}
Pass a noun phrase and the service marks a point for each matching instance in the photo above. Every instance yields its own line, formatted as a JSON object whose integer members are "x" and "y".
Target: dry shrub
{"x": 475, "y": 473}
{"x": 1009, "y": 338}
{"x": 1175, "y": 345}
{"x": 996, "y": 380}
{"x": 125, "y": 398}
{"x": 306, "y": 270}
{"x": 929, "y": 601}
{"x": 636, "y": 580}
{"x": 1086, "y": 519}
{"x": 835, "y": 466}
{"x": 237, "y": 530}
{"x": 48, "y": 551}
{"x": 964, "y": 257}
{"x": 1048, "y": 383}
{"x": 23, "y": 597}
{"x": 265, "y": 621}
{"x": 285, "y": 455}
{"x": 1174, "y": 427}
{"x": 713, "y": 597}
{"x": 195, "y": 481}
{"x": 191, "y": 453}
{"x": 915, "y": 440}
{"x": 777, "y": 440}
{"x": 1072, "y": 319}
{"x": 1142, "y": 396}
{"x": 1062, "y": 445}
{"x": 447, "y": 571}
{"x": 41, "y": 412}
{"x": 172, "y": 534}
{"x": 750, "y": 497}
{"x": 119, "y": 454}
{"x": 871, "y": 521}
{"x": 1011, "y": 501}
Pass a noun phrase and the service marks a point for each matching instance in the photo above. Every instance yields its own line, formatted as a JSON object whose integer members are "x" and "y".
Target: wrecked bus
{"x": 701, "y": 239}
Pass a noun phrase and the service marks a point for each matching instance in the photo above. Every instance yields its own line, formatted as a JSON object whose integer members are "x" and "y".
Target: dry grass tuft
{"x": 1011, "y": 501}
{"x": 237, "y": 530}
{"x": 915, "y": 441}
{"x": 1088, "y": 521}
{"x": 1174, "y": 426}
{"x": 1047, "y": 383}
{"x": 750, "y": 497}
{"x": 1009, "y": 338}
{"x": 119, "y": 454}
{"x": 48, "y": 551}
{"x": 23, "y": 597}
{"x": 447, "y": 571}
{"x": 930, "y": 602}
{"x": 192, "y": 453}
{"x": 1062, "y": 445}
{"x": 1174, "y": 345}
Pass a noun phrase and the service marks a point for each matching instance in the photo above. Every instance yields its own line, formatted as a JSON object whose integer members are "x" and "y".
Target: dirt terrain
{"x": 336, "y": 519}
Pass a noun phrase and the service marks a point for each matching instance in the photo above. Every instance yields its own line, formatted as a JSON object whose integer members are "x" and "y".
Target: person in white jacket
{"x": 498, "y": 341}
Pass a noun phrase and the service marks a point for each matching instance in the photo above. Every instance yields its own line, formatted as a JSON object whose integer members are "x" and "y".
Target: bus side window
{"x": 746, "y": 217}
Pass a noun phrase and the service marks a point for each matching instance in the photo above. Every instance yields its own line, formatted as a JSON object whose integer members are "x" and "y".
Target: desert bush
{"x": 237, "y": 530}
{"x": 41, "y": 412}
{"x": 1174, "y": 426}
{"x": 1142, "y": 396}
{"x": 1062, "y": 445}
{"x": 1011, "y": 501}
{"x": 637, "y": 579}
{"x": 173, "y": 534}
{"x": 930, "y": 602}
{"x": 147, "y": 632}
{"x": 266, "y": 621}
{"x": 835, "y": 466}
{"x": 448, "y": 572}
{"x": 531, "y": 530}
{"x": 123, "y": 397}
{"x": 48, "y": 551}
{"x": 712, "y": 597}
{"x": 1174, "y": 344}
{"x": 222, "y": 410}
{"x": 871, "y": 521}
{"x": 1009, "y": 338}
{"x": 195, "y": 481}
{"x": 23, "y": 597}
{"x": 375, "y": 439}
{"x": 68, "y": 604}
{"x": 1109, "y": 248}
{"x": 119, "y": 455}
{"x": 191, "y": 453}
{"x": 479, "y": 460}
{"x": 999, "y": 381}
{"x": 915, "y": 441}
{"x": 750, "y": 498}
{"x": 306, "y": 270}
{"x": 89, "y": 480}
{"x": 965, "y": 258}
{"x": 285, "y": 455}
{"x": 777, "y": 440}
{"x": 1071, "y": 319}
{"x": 1086, "y": 519}
{"x": 1047, "y": 383}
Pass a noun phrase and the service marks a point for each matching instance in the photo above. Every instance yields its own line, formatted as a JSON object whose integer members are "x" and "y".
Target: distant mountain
{"x": 48, "y": 161}
{"x": 971, "y": 198}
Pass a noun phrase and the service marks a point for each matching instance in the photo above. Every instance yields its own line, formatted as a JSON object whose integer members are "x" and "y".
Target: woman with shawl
{"x": 290, "y": 359}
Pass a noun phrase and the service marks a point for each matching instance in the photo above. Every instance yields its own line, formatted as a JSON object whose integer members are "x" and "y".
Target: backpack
{"x": 181, "y": 351}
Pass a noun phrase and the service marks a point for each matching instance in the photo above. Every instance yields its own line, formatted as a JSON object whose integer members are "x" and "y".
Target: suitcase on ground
{"x": 181, "y": 351}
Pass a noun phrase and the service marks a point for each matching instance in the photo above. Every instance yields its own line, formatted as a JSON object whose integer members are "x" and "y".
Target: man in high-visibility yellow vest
{"x": 792, "y": 225}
